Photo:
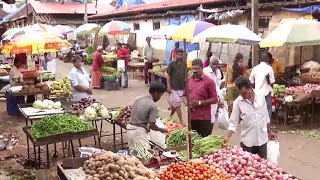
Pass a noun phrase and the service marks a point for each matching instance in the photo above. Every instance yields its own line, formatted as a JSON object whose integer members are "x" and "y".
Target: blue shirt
{"x": 78, "y": 77}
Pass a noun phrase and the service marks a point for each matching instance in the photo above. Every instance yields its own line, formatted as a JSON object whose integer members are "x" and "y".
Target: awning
{"x": 219, "y": 16}
{"x": 305, "y": 10}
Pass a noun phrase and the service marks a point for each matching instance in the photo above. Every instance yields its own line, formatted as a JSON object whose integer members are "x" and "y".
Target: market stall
{"x": 135, "y": 67}
{"x": 55, "y": 129}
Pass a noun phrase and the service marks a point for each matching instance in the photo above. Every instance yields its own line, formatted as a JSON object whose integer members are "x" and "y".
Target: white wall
{"x": 146, "y": 29}
{"x": 8, "y": 7}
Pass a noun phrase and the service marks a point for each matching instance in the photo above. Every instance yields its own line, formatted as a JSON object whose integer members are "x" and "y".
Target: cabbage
{"x": 57, "y": 105}
{"x": 44, "y": 105}
{"x": 50, "y": 106}
{"x": 37, "y": 104}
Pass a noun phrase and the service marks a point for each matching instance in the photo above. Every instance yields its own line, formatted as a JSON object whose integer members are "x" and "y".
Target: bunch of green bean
{"x": 58, "y": 124}
{"x": 178, "y": 138}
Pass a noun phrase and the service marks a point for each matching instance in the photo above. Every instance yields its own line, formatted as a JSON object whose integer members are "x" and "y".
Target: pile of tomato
{"x": 192, "y": 171}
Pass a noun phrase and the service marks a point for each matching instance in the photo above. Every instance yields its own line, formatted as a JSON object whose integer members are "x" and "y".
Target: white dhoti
{"x": 214, "y": 110}
{"x": 137, "y": 135}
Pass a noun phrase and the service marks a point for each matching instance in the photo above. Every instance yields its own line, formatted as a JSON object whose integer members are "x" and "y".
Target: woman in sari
{"x": 96, "y": 68}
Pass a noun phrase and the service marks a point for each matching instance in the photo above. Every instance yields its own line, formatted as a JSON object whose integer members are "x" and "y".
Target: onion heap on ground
{"x": 244, "y": 165}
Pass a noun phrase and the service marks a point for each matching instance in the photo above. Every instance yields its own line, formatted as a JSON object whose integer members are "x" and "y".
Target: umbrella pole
{"x": 220, "y": 50}
{"x": 189, "y": 144}
{"x": 300, "y": 55}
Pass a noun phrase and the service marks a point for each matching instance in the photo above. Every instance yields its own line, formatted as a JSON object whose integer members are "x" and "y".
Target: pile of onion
{"x": 243, "y": 165}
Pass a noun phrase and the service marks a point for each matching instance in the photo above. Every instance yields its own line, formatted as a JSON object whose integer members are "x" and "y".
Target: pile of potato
{"x": 111, "y": 166}
{"x": 315, "y": 75}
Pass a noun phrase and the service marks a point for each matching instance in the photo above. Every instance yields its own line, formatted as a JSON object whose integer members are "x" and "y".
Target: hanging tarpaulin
{"x": 220, "y": 16}
{"x": 308, "y": 9}
{"x": 127, "y": 3}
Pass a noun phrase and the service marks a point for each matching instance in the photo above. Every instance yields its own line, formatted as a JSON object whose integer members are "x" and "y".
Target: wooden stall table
{"x": 139, "y": 66}
{"x": 36, "y": 114}
{"x": 53, "y": 139}
{"x": 159, "y": 76}
{"x": 289, "y": 108}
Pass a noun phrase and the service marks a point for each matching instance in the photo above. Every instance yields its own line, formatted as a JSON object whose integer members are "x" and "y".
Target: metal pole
{"x": 85, "y": 11}
{"x": 189, "y": 143}
{"x": 27, "y": 12}
{"x": 255, "y": 29}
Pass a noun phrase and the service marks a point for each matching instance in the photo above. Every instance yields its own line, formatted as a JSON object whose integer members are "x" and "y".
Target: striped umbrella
{"x": 187, "y": 31}
{"x": 12, "y": 32}
{"x": 115, "y": 28}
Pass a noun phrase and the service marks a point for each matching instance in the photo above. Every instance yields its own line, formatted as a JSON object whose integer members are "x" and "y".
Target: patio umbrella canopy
{"x": 292, "y": 32}
{"x": 87, "y": 29}
{"x": 115, "y": 28}
{"x": 228, "y": 33}
{"x": 188, "y": 30}
{"x": 41, "y": 41}
{"x": 63, "y": 29}
{"x": 11, "y": 32}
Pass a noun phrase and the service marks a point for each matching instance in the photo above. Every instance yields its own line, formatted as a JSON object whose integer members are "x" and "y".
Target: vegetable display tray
{"x": 69, "y": 136}
{"x": 67, "y": 164}
{"x": 29, "y": 93}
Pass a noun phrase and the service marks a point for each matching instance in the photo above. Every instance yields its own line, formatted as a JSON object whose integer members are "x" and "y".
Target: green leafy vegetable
{"x": 58, "y": 124}
{"x": 278, "y": 89}
{"x": 178, "y": 138}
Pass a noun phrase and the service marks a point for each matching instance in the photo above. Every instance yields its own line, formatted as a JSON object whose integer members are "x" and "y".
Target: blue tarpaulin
{"x": 9, "y": 16}
{"x": 126, "y": 3}
{"x": 308, "y": 9}
{"x": 170, "y": 43}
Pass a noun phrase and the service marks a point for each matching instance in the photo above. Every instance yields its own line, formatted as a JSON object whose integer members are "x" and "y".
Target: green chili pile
{"x": 178, "y": 138}
{"x": 58, "y": 124}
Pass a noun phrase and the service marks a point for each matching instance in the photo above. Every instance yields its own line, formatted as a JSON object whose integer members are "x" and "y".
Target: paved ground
{"x": 299, "y": 155}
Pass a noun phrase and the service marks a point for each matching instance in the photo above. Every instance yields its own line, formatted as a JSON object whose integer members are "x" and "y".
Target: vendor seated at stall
{"x": 80, "y": 80}
{"x": 144, "y": 115}
{"x": 15, "y": 75}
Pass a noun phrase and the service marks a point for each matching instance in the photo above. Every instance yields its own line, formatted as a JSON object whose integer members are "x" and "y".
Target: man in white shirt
{"x": 215, "y": 74}
{"x": 262, "y": 77}
{"x": 148, "y": 59}
{"x": 250, "y": 110}
{"x": 80, "y": 80}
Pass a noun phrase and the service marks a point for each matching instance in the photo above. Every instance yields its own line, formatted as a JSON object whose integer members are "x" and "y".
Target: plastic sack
{"x": 223, "y": 117}
{"x": 157, "y": 137}
{"x": 273, "y": 152}
{"x": 120, "y": 65}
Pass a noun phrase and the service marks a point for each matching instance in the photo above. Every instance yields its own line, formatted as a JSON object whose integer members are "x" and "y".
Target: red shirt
{"x": 200, "y": 90}
{"x": 173, "y": 54}
{"x": 97, "y": 61}
{"x": 123, "y": 52}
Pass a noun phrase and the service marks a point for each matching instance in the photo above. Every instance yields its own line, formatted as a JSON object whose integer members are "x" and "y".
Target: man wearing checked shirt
{"x": 250, "y": 110}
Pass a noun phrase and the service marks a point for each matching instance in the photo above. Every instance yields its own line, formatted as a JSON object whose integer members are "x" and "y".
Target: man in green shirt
{"x": 176, "y": 83}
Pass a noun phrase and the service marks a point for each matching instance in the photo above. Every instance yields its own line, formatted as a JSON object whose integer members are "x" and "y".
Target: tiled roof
{"x": 165, "y": 5}
{"x": 68, "y": 8}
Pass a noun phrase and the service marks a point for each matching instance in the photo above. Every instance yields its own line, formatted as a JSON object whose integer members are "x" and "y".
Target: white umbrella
{"x": 87, "y": 29}
{"x": 293, "y": 32}
{"x": 228, "y": 33}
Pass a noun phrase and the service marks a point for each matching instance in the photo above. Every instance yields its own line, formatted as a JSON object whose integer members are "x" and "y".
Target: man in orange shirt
{"x": 276, "y": 66}
{"x": 173, "y": 51}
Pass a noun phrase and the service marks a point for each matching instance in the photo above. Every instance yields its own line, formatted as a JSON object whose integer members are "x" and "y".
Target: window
{"x": 156, "y": 25}
{"x": 264, "y": 22}
{"x": 136, "y": 26}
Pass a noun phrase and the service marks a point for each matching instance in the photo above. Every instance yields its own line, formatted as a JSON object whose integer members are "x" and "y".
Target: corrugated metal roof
{"x": 165, "y": 5}
{"x": 68, "y": 8}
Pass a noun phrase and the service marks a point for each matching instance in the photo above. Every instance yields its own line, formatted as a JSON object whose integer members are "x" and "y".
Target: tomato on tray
{"x": 192, "y": 171}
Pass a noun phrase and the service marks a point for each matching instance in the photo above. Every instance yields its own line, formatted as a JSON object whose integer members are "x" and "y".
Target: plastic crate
{"x": 111, "y": 85}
